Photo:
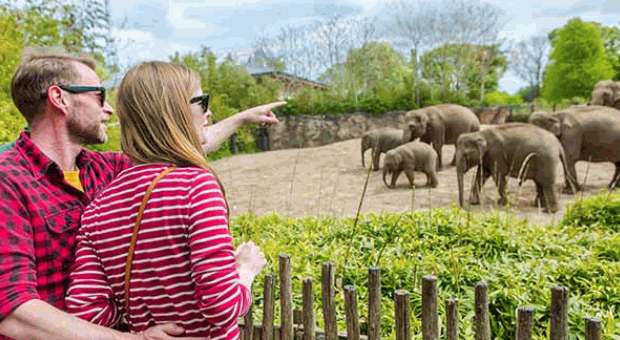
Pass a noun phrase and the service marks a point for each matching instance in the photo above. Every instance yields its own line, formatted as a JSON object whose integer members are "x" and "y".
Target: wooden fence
{"x": 301, "y": 325}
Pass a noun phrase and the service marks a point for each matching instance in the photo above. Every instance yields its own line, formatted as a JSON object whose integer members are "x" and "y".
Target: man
{"x": 46, "y": 180}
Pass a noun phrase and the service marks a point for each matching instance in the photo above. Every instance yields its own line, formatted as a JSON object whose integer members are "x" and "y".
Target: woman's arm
{"x": 223, "y": 298}
{"x": 89, "y": 295}
{"x": 217, "y": 133}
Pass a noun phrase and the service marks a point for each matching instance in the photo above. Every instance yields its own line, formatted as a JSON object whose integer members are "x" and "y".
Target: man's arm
{"x": 217, "y": 133}
{"x": 37, "y": 319}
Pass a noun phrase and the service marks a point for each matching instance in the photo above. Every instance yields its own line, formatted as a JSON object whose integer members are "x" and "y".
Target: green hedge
{"x": 519, "y": 261}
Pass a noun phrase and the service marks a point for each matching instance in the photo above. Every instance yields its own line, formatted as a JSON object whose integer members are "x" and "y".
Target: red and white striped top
{"x": 183, "y": 271}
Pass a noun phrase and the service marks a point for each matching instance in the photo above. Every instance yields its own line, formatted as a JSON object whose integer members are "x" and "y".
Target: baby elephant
{"x": 410, "y": 157}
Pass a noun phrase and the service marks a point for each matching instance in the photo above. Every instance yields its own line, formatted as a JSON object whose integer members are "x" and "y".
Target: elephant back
{"x": 457, "y": 120}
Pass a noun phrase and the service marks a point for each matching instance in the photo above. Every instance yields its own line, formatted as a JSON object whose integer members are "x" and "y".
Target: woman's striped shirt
{"x": 183, "y": 271}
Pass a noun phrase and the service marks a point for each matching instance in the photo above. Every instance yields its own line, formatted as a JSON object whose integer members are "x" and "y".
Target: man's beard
{"x": 86, "y": 134}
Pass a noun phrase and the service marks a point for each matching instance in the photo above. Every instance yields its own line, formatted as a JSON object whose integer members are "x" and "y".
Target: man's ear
{"x": 57, "y": 99}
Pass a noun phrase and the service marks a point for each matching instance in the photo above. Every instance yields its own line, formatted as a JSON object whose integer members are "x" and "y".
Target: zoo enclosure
{"x": 301, "y": 325}
{"x": 487, "y": 114}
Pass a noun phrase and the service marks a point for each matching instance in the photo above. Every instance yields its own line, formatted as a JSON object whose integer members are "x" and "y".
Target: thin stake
{"x": 286, "y": 298}
{"x": 430, "y": 323}
{"x": 452, "y": 322}
{"x": 559, "y": 313}
{"x": 525, "y": 323}
{"x": 593, "y": 329}
{"x": 374, "y": 303}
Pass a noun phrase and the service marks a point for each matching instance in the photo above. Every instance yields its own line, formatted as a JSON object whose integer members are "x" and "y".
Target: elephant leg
{"x": 431, "y": 179}
{"x": 539, "y": 201}
{"x": 481, "y": 178}
{"x": 395, "y": 175}
{"x": 438, "y": 150}
{"x": 410, "y": 177}
{"x": 453, "y": 162}
{"x": 551, "y": 203}
{"x": 501, "y": 189}
{"x": 572, "y": 172}
{"x": 615, "y": 180}
{"x": 375, "y": 159}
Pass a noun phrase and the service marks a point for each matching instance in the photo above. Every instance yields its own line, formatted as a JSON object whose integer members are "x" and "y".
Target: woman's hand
{"x": 250, "y": 262}
{"x": 262, "y": 114}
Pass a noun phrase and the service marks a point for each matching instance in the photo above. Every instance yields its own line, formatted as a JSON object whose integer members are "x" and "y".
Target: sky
{"x": 155, "y": 29}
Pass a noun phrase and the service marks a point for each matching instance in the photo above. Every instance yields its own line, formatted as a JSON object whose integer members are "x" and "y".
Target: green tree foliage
{"x": 500, "y": 97}
{"x": 611, "y": 41}
{"x": 75, "y": 27}
{"x": 577, "y": 61}
{"x": 458, "y": 72}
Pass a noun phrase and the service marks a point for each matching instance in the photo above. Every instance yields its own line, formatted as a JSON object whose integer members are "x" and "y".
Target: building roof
{"x": 259, "y": 71}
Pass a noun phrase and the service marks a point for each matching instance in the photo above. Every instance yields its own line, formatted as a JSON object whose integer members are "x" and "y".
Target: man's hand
{"x": 168, "y": 331}
{"x": 262, "y": 114}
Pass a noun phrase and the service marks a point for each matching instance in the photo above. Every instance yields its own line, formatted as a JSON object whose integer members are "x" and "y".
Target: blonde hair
{"x": 41, "y": 68}
{"x": 155, "y": 115}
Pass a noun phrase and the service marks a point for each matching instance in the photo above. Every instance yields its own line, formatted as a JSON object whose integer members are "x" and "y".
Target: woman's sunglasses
{"x": 203, "y": 100}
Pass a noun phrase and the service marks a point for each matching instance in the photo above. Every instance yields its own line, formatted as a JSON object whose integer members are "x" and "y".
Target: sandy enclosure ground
{"x": 329, "y": 180}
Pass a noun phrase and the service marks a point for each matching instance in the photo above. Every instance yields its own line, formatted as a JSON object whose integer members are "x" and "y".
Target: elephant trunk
{"x": 385, "y": 172}
{"x": 460, "y": 172}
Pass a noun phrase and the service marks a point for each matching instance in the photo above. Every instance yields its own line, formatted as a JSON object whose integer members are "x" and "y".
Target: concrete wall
{"x": 310, "y": 131}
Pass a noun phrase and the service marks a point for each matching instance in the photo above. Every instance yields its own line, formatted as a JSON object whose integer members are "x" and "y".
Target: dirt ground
{"x": 329, "y": 180}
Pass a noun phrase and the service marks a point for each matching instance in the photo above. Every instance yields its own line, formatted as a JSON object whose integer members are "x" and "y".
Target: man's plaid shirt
{"x": 39, "y": 217}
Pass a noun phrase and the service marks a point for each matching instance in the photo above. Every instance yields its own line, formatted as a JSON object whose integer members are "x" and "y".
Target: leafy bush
{"x": 601, "y": 210}
{"x": 519, "y": 261}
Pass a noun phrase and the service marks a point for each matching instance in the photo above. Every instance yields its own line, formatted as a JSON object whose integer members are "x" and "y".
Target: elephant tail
{"x": 524, "y": 167}
{"x": 570, "y": 179}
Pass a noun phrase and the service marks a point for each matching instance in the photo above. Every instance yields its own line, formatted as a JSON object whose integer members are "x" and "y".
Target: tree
{"x": 577, "y": 61}
{"x": 446, "y": 68}
{"x": 611, "y": 41}
{"x": 528, "y": 60}
{"x": 373, "y": 69}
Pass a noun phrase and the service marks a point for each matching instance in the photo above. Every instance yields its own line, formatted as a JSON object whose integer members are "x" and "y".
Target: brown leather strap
{"x": 134, "y": 236}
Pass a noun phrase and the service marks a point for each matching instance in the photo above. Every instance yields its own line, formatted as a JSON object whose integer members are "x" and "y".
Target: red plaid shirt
{"x": 39, "y": 217}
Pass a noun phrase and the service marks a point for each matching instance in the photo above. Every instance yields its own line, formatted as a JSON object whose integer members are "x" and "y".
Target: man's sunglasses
{"x": 203, "y": 100}
{"x": 83, "y": 89}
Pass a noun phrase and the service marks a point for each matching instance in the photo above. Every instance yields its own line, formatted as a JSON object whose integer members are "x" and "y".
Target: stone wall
{"x": 310, "y": 131}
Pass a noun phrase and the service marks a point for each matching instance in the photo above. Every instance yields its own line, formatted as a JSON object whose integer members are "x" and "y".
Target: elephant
{"x": 606, "y": 93}
{"x": 519, "y": 150}
{"x": 410, "y": 157}
{"x": 587, "y": 133}
{"x": 381, "y": 141}
{"x": 441, "y": 124}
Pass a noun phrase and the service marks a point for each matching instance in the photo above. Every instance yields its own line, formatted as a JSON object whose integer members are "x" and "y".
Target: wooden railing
{"x": 301, "y": 325}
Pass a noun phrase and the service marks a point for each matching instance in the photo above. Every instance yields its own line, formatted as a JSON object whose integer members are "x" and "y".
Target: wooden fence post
{"x": 401, "y": 298}
{"x": 525, "y": 323}
{"x": 308, "y": 310}
{"x": 350, "y": 309}
{"x": 593, "y": 329}
{"x": 452, "y": 319}
{"x": 374, "y": 303}
{"x": 268, "y": 308}
{"x": 559, "y": 313}
{"x": 248, "y": 324}
{"x": 329, "y": 302}
{"x": 429, "y": 308}
{"x": 286, "y": 298}
{"x": 482, "y": 326}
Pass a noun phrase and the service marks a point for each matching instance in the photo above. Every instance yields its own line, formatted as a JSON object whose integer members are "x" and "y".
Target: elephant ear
{"x": 556, "y": 126}
{"x": 568, "y": 125}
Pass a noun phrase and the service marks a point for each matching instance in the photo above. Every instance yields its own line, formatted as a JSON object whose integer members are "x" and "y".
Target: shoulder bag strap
{"x": 136, "y": 227}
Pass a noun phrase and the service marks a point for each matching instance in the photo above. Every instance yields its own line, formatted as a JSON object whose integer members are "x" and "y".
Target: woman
{"x": 180, "y": 266}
